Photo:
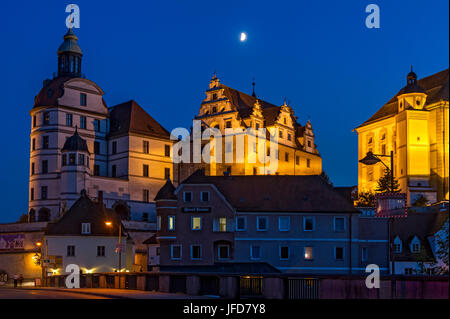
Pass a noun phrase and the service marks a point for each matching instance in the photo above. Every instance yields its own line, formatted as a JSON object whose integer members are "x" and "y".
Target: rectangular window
{"x": 83, "y": 122}
{"x": 114, "y": 171}
{"x": 33, "y": 144}
{"x": 97, "y": 148}
{"x": 204, "y": 196}
{"x": 284, "y": 223}
{"x": 70, "y": 251}
{"x": 286, "y": 157}
{"x": 383, "y": 149}
{"x": 44, "y": 167}
{"x": 284, "y": 252}
{"x": 145, "y": 217}
{"x": 339, "y": 224}
{"x": 34, "y": 120}
{"x": 255, "y": 252}
{"x": 187, "y": 197}
{"x": 175, "y": 252}
{"x": 339, "y": 253}
{"x": 289, "y": 137}
{"x": 45, "y": 142}
{"x": 80, "y": 159}
{"x": 262, "y": 223}
{"x": 241, "y": 223}
{"x": 145, "y": 170}
{"x": 145, "y": 147}
{"x": 32, "y": 194}
{"x": 86, "y": 228}
{"x": 69, "y": 119}
{"x": 32, "y": 168}
{"x": 364, "y": 254}
{"x": 44, "y": 190}
{"x": 83, "y": 99}
{"x": 64, "y": 159}
{"x": 46, "y": 119}
{"x": 308, "y": 163}
{"x": 97, "y": 125}
{"x": 71, "y": 159}
{"x": 222, "y": 224}
{"x": 297, "y": 160}
{"x": 96, "y": 170}
{"x": 167, "y": 150}
{"x": 171, "y": 223}
{"x": 100, "y": 251}
{"x": 309, "y": 253}
{"x": 196, "y": 252}
{"x": 223, "y": 252}
{"x": 196, "y": 223}
{"x": 114, "y": 147}
{"x": 145, "y": 195}
{"x": 166, "y": 173}
{"x": 308, "y": 223}
{"x": 158, "y": 223}
{"x": 280, "y": 134}
{"x": 228, "y": 124}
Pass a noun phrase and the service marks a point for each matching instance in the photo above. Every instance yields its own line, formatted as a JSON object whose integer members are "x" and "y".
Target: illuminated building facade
{"x": 413, "y": 124}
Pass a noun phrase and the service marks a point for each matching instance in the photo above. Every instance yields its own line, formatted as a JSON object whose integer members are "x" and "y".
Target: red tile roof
{"x": 436, "y": 87}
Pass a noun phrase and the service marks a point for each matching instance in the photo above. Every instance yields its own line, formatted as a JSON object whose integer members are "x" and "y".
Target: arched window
{"x": 122, "y": 210}
{"x": 415, "y": 245}
{"x": 397, "y": 245}
{"x": 44, "y": 215}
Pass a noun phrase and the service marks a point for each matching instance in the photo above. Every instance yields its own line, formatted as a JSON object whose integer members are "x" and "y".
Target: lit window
{"x": 222, "y": 224}
{"x": 171, "y": 223}
{"x": 284, "y": 223}
{"x": 309, "y": 253}
{"x": 196, "y": 223}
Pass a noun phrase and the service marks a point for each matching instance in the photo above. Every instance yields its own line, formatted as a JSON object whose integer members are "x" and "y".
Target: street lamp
{"x": 109, "y": 224}
{"x": 372, "y": 159}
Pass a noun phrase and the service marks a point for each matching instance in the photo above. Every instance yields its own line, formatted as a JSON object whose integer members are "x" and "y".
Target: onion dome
{"x": 411, "y": 84}
{"x": 75, "y": 143}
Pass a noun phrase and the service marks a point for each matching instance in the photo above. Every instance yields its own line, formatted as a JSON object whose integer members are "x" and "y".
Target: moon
{"x": 243, "y": 37}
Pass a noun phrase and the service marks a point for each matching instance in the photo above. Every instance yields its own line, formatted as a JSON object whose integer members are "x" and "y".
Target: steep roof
{"x": 166, "y": 192}
{"x": 51, "y": 92}
{"x": 420, "y": 224}
{"x": 276, "y": 193}
{"x": 129, "y": 117}
{"x": 84, "y": 210}
{"x": 75, "y": 143}
{"x": 436, "y": 86}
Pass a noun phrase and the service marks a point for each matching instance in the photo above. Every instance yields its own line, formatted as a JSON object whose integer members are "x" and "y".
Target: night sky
{"x": 318, "y": 54}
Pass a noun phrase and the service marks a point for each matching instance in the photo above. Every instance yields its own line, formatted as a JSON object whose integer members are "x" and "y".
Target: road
{"x": 10, "y": 293}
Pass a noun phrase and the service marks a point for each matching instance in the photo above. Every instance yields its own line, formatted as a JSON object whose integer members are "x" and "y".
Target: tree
{"x": 442, "y": 249}
{"x": 384, "y": 183}
{"x": 366, "y": 199}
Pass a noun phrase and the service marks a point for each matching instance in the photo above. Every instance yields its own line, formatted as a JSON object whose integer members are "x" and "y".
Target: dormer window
{"x": 85, "y": 228}
{"x": 415, "y": 245}
{"x": 397, "y": 245}
{"x": 214, "y": 96}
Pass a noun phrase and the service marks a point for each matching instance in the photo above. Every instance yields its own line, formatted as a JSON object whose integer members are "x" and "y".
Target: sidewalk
{"x": 120, "y": 293}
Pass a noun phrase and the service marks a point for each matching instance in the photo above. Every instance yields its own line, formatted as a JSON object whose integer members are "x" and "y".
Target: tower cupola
{"x": 412, "y": 96}
{"x": 69, "y": 56}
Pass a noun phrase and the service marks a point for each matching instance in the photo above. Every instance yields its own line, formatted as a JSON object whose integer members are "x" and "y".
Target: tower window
{"x": 34, "y": 120}
{"x": 44, "y": 167}
{"x": 33, "y": 144}
{"x": 167, "y": 150}
{"x": 297, "y": 160}
{"x": 114, "y": 171}
{"x": 97, "y": 148}
{"x": 146, "y": 195}
{"x": 69, "y": 118}
{"x": 71, "y": 159}
{"x": 97, "y": 125}
{"x": 64, "y": 159}
{"x": 214, "y": 96}
{"x": 32, "y": 168}
{"x": 45, "y": 142}
{"x": 32, "y": 194}
{"x": 114, "y": 147}
{"x": 228, "y": 124}
{"x": 166, "y": 173}
{"x": 83, "y": 122}
{"x": 308, "y": 163}
{"x": 80, "y": 159}
{"x": 145, "y": 170}
{"x": 83, "y": 99}
{"x": 309, "y": 143}
{"x": 44, "y": 192}
{"x": 286, "y": 157}
{"x": 46, "y": 120}
{"x": 214, "y": 109}
{"x": 145, "y": 147}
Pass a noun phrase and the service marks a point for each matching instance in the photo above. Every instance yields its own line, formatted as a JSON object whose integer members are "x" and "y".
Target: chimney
{"x": 100, "y": 197}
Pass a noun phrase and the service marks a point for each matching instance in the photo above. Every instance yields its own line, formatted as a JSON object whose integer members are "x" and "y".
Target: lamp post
{"x": 372, "y": 159}
{"x": 109, "y": 224}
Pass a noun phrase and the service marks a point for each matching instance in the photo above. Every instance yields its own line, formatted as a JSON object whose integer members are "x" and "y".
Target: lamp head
{"x": 369, "y": 159}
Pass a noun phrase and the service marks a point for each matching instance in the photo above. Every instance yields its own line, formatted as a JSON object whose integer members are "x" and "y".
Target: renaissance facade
{"x": 79, "y": 143}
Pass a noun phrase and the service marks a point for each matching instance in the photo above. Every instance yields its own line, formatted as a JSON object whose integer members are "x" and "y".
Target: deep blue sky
{"x": 319, "y": 54}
